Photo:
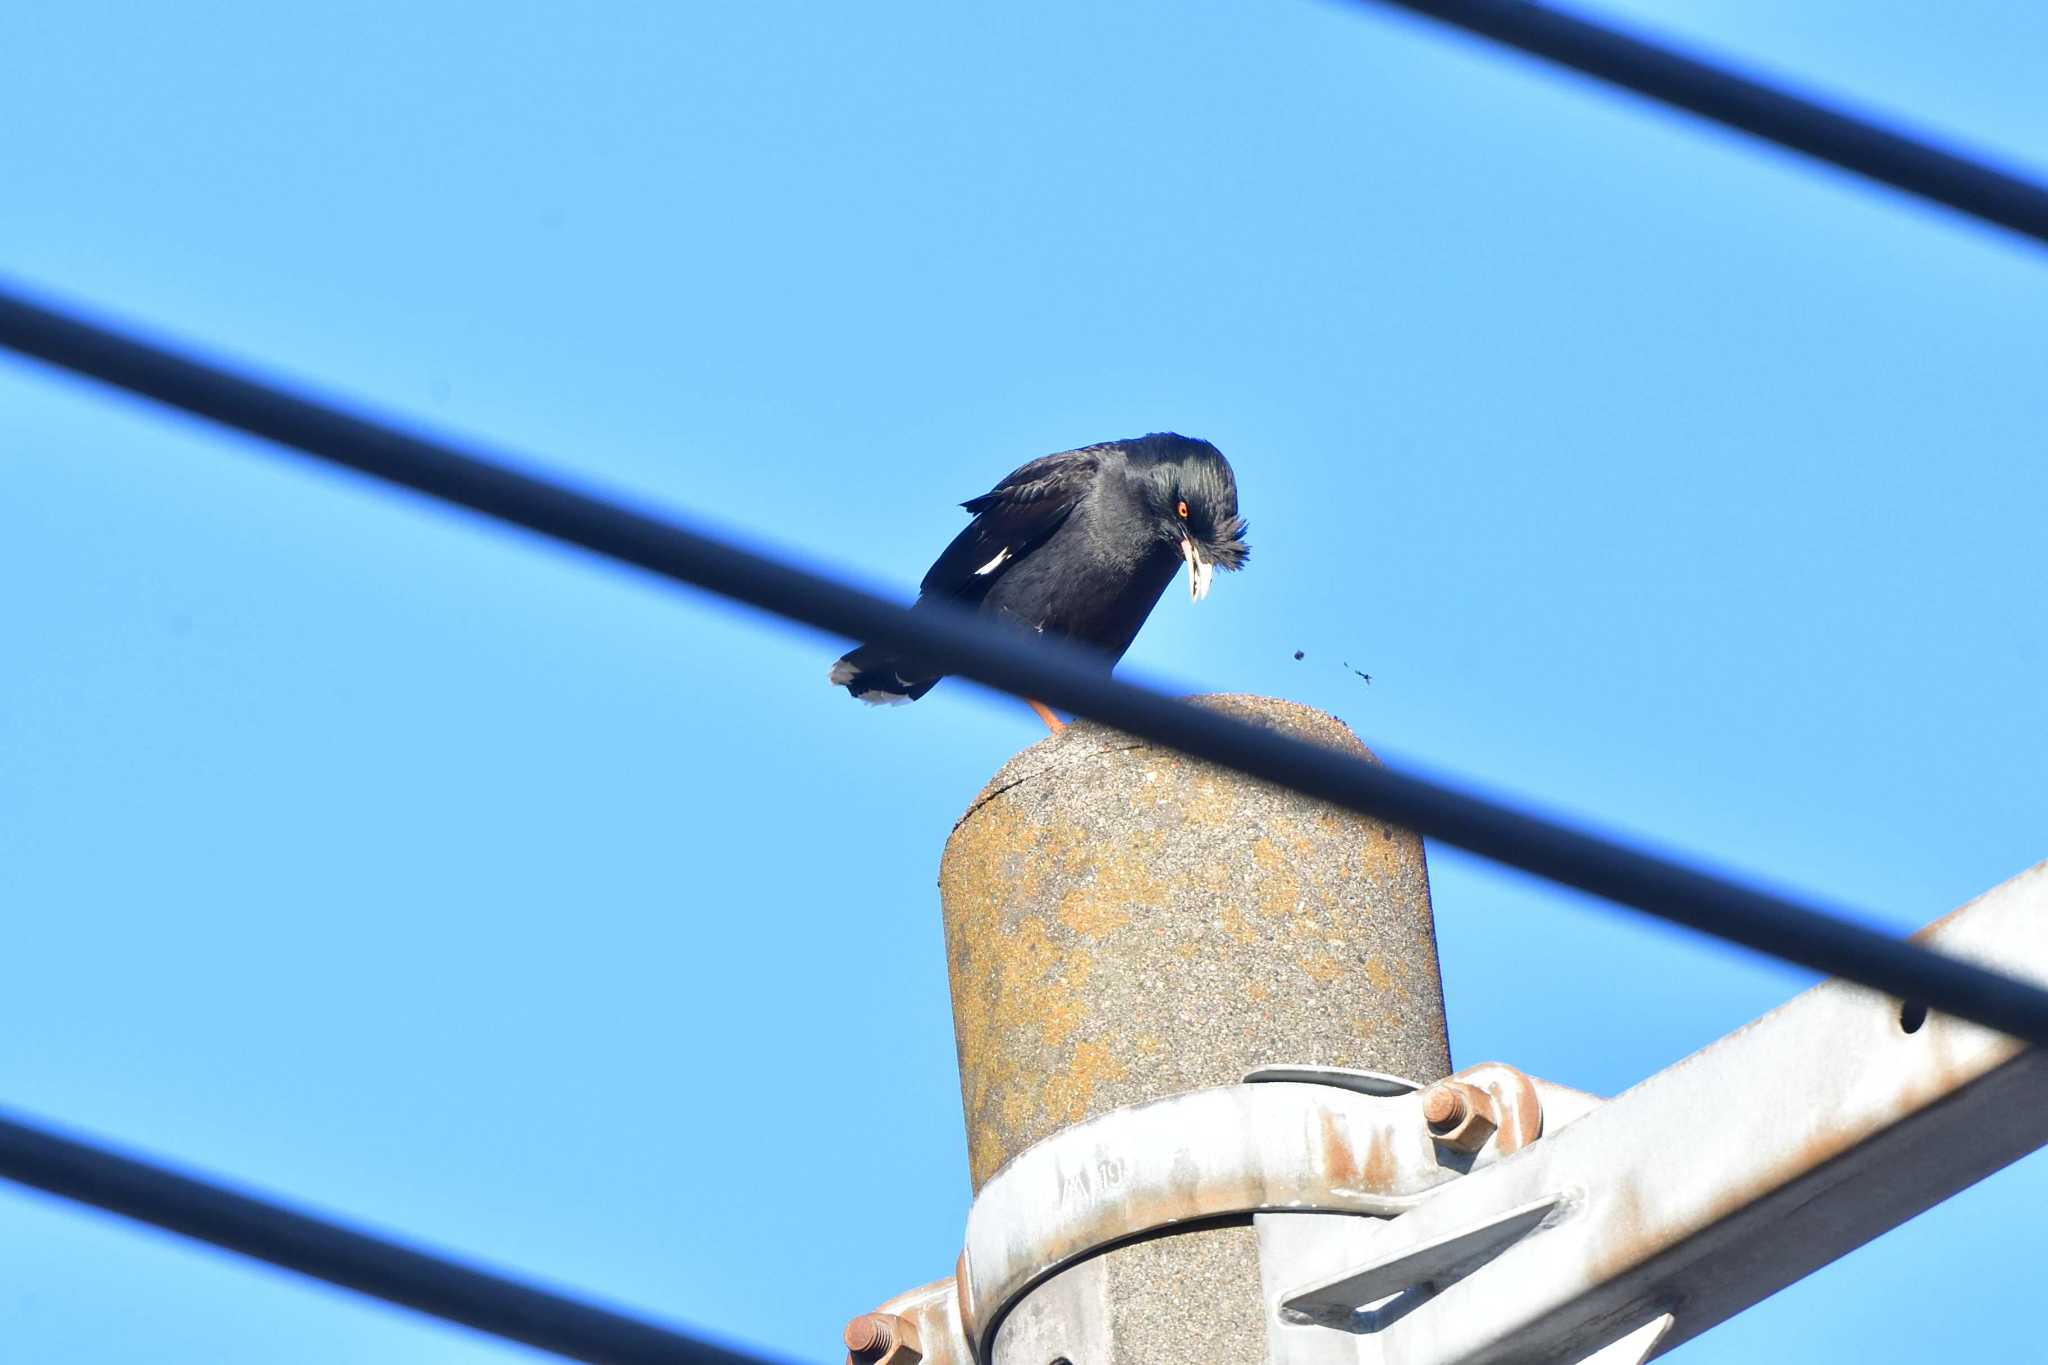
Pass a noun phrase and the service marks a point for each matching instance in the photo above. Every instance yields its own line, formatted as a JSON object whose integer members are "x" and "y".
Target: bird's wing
{"x": 1019, "y": 512}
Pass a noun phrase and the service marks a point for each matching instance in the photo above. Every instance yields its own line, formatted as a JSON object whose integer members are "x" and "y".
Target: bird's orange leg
{"x": 1052, "y": 722}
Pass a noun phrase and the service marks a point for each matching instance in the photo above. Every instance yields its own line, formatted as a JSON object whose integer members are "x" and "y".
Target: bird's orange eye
{"x": 1182, "y": 509}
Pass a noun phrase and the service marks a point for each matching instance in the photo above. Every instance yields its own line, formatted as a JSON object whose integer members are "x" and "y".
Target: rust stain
{"x": 1824, "y": 1144}
{"x": 1630, "y": 1243}
{"x": 1339, "y": 1158}
{"x": 1381, "y": 1172}
{"x": 1637, "y": 1235}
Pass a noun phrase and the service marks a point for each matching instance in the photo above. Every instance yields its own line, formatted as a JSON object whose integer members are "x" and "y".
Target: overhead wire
{"x": 953, "y": 641}
{"x": 437, "y": 1285}
{"x": 1600, "y": 865}
{"x": 1590, "y": 862}
{"x": 1798, "y": 122}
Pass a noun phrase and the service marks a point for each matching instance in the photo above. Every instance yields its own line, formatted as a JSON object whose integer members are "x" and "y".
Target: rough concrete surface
{"x": 1124, "y": 923}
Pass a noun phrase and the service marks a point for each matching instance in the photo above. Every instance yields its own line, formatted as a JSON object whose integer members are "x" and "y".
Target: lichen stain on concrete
{"x": 1088, "y": 914}
{"x": 1122, "y": 923}
{"x": 1068, "y": 1094}
{"x": 1237, "y": 926}
{"x": 1016, "y": 1108}
{"x": 1282, "y": 890}
{"x": 1325, "y": 969}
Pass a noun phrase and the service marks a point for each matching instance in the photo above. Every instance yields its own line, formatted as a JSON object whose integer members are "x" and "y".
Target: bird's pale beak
{"x": 1200, "y": 570}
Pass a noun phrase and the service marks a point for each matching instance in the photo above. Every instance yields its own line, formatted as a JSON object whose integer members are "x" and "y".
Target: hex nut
{"x": 1460, "y": 1116}
{"x": 881, "y": 1339}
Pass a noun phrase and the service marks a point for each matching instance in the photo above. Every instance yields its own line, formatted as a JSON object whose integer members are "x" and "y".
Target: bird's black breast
{"x": 1091, "y": 582}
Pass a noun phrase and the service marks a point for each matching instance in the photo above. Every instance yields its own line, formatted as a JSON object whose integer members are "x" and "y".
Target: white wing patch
{"x": 1002, "y": 557}
{"x": 876, "y": 697}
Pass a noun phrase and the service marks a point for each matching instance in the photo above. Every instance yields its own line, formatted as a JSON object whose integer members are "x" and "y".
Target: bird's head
{"x": 1192, "y": 497}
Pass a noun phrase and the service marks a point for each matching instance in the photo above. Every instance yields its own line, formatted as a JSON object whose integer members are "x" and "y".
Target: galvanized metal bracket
{"x": 1711, "y": 1185}
{"x": 1292, "y": 1138}
{"x": 1493, "y": 1218}
{"x": 1298, "y": 1138}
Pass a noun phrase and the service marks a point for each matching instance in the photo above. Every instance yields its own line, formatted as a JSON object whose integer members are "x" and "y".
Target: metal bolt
{"x": 1444, "y": 1108}
{"x": 870, "y": 1336}
{"x": 1460, "y": 1116}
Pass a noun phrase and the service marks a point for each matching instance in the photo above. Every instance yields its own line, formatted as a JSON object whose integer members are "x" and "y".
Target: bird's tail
{"x": 882, "y": 678}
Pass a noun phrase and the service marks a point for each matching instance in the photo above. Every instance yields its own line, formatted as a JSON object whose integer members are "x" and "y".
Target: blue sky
{"x": 510, "y": 902}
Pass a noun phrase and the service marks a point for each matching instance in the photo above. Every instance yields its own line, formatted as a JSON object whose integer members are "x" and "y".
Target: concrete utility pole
{"x": 1173, "y": 988}
{"x": 1123, "y": 924}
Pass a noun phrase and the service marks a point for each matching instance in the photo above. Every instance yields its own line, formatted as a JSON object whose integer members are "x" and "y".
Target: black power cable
{"x": 383, "y": 1269}
{"x": 952, "y": 641}
{"x": 507, "y": 1308}
{"x": 1768, "y": 112}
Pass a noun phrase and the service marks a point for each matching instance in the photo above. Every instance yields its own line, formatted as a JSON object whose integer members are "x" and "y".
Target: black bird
{"x": 1079, "y": 544}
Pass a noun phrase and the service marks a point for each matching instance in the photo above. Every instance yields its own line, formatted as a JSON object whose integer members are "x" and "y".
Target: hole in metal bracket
{"x": 1378, "y": 1285}
{"x": 1343, "y": 1077}
{"x": 1912, "y": 1015}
